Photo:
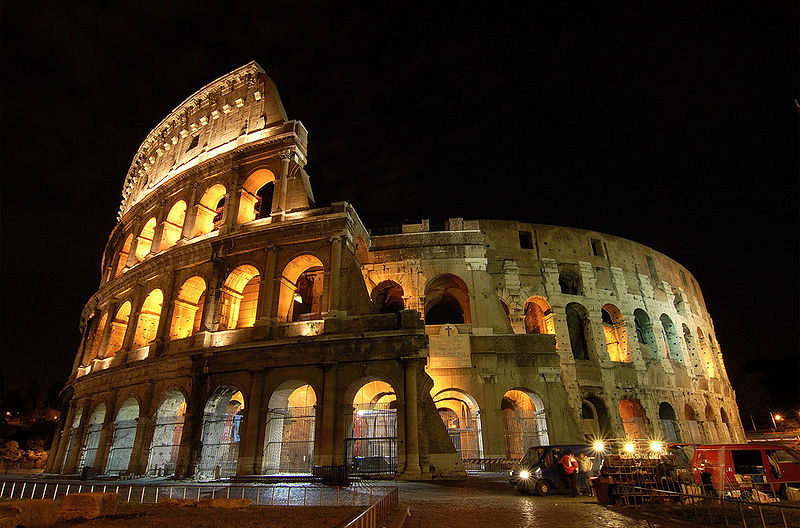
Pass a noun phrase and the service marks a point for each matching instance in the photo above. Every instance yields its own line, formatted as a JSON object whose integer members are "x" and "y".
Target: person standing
{"x": 584, "y": 473}
{"x": 569, "y": 467}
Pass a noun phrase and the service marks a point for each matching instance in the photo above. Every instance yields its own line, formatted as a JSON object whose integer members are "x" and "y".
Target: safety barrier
{"x": 377, "y": 514}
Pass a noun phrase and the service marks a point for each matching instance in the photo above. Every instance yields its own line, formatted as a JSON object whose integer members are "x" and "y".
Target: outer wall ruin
{"x": 240, "y": 330}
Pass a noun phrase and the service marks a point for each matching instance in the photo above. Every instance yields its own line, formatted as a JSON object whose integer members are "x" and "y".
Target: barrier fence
{"x": 377, "y": 514}
{"x": 259, "y": 494}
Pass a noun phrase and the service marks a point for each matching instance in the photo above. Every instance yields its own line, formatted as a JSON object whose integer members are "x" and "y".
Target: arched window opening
{"x": 92, "y": 439}
{"x": 725, "y": 427}
{"x": 387, "y": 297}
{"x": 570, "y": 282}
{"x": 210, "y": 210}
{"x": 149, "y": 315}
{"x": 538, "y": 317}
{"x": 594, "y": 418}
{"x": 616, "y": 334}
{"x": 239, "y": 298}
{"x": 712, "y": 436}
{"x": 256, "y": 196}
{"x": 706, "y": 354}
{"x": 119, "y": 455}
{"x": 669, "y": 423}
{"x": 634, "y": 419}
{"x": 97, "y": 337}
{"x": 173, "y": 225}
{"x": 72, "y": 441}
{"x": 671, "y": 338}
{"x": 688, "y": 339}
{"x": 122, "y": 258}
{"x": 678, "y": 302}
{"x": 301, "y": 289}
{"x": 579, "y": 330}
{"x": 644, "y": 334}
{"x": 447, "y": 301}
{"x": 167, "y": 434}
{"x": 291, "y": 421}
{"x": 144, "y": 242}
{"x": 692, "y": 425}
{"x": 222, "y": 420}
{"x": 461, "y": 417}
{"x": 118, "y": 328}
{"x": 371, "y": 442}
{"x": 524, "y": 422}
{"x": 188, "y": 312}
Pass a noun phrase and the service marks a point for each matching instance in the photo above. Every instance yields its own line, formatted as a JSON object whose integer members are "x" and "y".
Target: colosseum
{"x": 239, "y": 329}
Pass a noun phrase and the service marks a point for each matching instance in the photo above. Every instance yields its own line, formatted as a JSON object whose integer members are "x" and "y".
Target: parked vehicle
{"x": 538, "y": 471}
{"x": 720, "y": 467}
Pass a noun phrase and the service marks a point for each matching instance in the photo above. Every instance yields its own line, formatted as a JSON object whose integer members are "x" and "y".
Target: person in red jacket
{"x": 569, "y": 468}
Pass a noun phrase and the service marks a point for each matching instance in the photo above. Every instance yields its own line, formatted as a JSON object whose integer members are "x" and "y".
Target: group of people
{"x": 576, "y": 472}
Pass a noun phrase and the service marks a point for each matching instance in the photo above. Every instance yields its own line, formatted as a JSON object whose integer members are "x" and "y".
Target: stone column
{"x": 494, "y": 444}
{"x": 248, "y": 448}
{"x": 326, "y": 422}
{"x": 191, "y": 443}
{"x": 158, "y": 233}
{"x": 80, "y": 433}
{"x": 133, "y": 322}
{"x": 335, "y": 274}
{"x": 283, "y": 182}
{"x": 412, "y": 468}
{"x": 112, "y": 312}
{"x": 106, "y": 435}
{"x": 231, "y": 213}
{"x": 165, "y": 319}
{"x": 266, "y": 291}
{"x": 144, "y": 434}
{"x": 191, "y": 214}
{"x": 54, "y": 463}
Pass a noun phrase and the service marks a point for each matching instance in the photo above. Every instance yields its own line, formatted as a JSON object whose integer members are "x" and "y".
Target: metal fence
{"x": 259, "y": 494}
{"x": 377, "y": 514}
{"x": 711, "y": 510}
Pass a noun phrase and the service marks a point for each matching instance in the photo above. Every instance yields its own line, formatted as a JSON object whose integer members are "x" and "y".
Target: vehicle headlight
{"x": 524, "y": 474}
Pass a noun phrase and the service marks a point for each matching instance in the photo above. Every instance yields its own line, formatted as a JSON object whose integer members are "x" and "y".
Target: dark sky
{"x": 672, "y": 125}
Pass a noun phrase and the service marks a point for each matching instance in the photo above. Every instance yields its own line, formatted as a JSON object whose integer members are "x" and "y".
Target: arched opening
{"x": 92, "y": 439}
{"x": 167, "y": 434}
{"x": 300, "y": 296}
{"x": 616, "y": 333}
{"x": 706, "y": 354}
{"x": 712, "y": 436}
{"x": 579, "y": 330}
{"x": 447, "y": 301}
{"x": 669, "y": 423}
{"x": 97, "y": 337}
{"x": 524, "y": 422}
{"x": 725, "y": 428}
{"x": 688, "y": 338}
{"x": 122, "y": 258}
{"x": 188, "y": 311}
{"x": 173, "y": 225}
{"x": 634, "y": 419}
{"x": 594, "y": 418}
{"x": 671, "y": 338}
{"x": 149, "y": 315}
{"x": 119, "y": 455}
{"x": 461, "y": 417}
{"x": 387, "y": 297}
{"x": 371, "y": 442}
{"x": 256, "y": 196}
{"x": 118, "y": 328}
{"x": 72, "y": 441}
{"x": 144, "y": 242}
{"x": 644, "y": 334}
{"x": 291, "y": 420}
{"x": 239, "y": 298}
{"x": 538, "y": 317}
{"x": 210, "y": 210}
{"x": 222, "y": 419}
{"x": 570, "y": 282}
{"x": 692, "y": 426}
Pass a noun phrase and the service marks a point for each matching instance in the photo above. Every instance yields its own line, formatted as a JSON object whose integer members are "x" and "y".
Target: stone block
{"x": 88, "y": 505}
{"x": 40, "y": 513}
{"x": 10, "y": 515}
{"x": 188, "y": 503}
{"x": 224, "y": 503}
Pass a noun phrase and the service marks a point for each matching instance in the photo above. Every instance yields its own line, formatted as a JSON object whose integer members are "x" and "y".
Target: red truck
{"x": 735, "y": 466}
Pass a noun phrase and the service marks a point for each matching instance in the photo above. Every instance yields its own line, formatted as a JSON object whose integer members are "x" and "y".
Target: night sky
{"x": 672, "y": 125}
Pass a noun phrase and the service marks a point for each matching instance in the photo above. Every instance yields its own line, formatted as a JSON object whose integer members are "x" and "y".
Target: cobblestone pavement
{"x": 487, "y": 504}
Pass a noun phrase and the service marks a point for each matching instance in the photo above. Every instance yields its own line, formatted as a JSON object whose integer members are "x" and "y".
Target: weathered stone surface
{"x": 189, "y": 503}
{"x": 88, "y": 505}
{"x": 40, "y": 513}
{"x": 224, "y": 503}
{"x": 10, "y": 515}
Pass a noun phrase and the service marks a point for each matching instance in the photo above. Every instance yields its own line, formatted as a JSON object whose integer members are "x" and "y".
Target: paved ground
{"x": 487, "y": 504}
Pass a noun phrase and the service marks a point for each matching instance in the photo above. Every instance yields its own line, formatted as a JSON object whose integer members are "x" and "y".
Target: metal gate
{"x": 290, "y": 440}
{"x": 371, "y": 443}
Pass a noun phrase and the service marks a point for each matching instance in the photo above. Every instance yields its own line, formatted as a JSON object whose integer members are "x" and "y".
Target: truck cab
{"x": 537, "y": 471}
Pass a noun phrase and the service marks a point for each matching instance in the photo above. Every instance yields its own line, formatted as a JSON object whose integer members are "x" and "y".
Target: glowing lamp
{"x": 524, "y": 474}
{"x": 778, "y": 417}
{"x": 298, "y": 298}
{"x": 599, "y": 446}
{"x": 656, "y": 446}
{"x": 629, "y": 447}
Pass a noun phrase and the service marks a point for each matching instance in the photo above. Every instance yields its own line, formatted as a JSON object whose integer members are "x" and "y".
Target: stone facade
{"x": 240, "y": 330}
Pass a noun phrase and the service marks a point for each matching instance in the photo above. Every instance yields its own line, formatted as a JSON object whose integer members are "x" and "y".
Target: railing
{"x": 711, "y": 510}
{"x": 259, "y": 494}
{"x": 377, "y": 514}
